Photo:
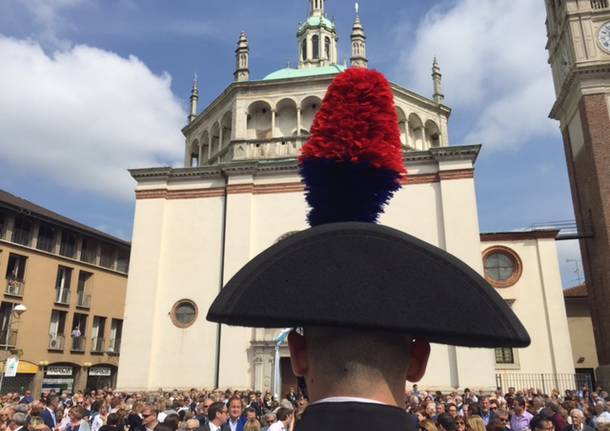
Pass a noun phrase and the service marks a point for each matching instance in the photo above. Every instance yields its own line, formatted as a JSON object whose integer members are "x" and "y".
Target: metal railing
{"x": 8, "y": 338}
{"x": 83, "y": 301}
{"x": 62, "y": 296}
{"x": 114, "y": 346}
{"x": 14, "y": 286}
{"x": 599, "y": 4}
{"x": 543, "y": 381}
{"x": 97, "y": 344}
{"x": 56, "y": 341}
{"x": 78, "y": 344}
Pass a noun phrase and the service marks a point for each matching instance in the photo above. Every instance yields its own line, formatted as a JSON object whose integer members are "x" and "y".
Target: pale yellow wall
{"x": 581, "y": 332}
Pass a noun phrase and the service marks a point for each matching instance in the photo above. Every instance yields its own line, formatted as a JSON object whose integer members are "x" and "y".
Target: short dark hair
{"x": 446, "y": 421}
{"x": 521, "y": 401}
{"x": 217, "y": 407}
{"x": 283, "y": 413}
{"x": 112, "y": 419}
{"x": 538, "y": 422}
{"x": 52, "y": 398}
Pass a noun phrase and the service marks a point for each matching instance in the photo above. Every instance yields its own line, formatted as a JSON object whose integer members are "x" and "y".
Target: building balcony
{"x": 83, "y": 301}
{"x": 97, "y": 345}
{"x": 78, "y": 344}
{"x": 62, "y": 296}
{"x": 115, "y": 346}
{"x": 260, "y": 149}
{"x": 14, "y": 287}
{"x": 56, "y": 342}
{"x": 8, "y": 338}
{"x": 599, "y": 4}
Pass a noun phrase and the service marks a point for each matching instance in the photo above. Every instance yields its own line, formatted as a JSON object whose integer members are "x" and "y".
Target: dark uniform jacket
{"x": 354, "y": 416}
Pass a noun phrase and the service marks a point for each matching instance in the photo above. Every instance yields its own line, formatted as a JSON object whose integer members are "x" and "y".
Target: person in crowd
{"x": 252, "y": 423}
{"x": 172, "y": 420}
{"x": 487, "y": 414}
{"x": 475, "y": 423}
{"x": 445, "y": 422}
{"x": 112, "y": 423}
{"x": 191, "y": 424}
{"x": 133, "y": 419}
{"x": 149, "y": 419}
{"x": 427, "y": 425}
{"x": 100, "y": 418}
{"x": 48, "y": 414}
{"x": 452, "y": 410}
{"x": 521, "y": 418}
{"x": 77, "y": 419}
{"x": 460, "y": 423}
{"x": 541, "y": 423}
{"x": 285, "y": 420}
{"x": 218, "y": 414}
{"x": 578, "y": 422}
{"x": 18, "y": 422}
{"x": 269, "y": 420}
{"x": 236, "y": 421}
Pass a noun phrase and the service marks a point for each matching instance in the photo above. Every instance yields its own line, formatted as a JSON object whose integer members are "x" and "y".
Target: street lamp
{"x": 16, "y": 313}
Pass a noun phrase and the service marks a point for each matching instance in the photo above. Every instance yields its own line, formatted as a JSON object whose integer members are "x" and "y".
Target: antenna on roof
{"x": 357, "y": 7}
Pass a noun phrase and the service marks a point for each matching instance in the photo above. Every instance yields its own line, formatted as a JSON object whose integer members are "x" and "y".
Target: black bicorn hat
{"x": 347, "y": 271}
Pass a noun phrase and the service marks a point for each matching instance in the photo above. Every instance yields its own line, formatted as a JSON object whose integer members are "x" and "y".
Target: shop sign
{"x": 57, "y": 370}
{"x": 100, "y": 371}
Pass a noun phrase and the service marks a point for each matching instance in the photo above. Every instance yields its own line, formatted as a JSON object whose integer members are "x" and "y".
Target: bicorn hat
{"x": 347, "y": 271}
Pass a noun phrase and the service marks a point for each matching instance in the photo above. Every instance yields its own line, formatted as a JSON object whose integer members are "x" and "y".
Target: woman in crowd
{"x": 77, "y": 420}
{"x": 100, "y": 418}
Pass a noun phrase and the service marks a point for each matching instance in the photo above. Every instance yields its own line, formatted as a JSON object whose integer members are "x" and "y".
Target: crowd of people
{"x": 201, "y": 410}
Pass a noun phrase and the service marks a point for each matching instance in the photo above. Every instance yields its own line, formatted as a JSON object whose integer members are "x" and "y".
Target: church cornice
{"x": 288, "y": 165}
{"x": 576, "y": 73}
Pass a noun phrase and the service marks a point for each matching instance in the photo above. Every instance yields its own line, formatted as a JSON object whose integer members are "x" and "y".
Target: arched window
{"x": 327, "y": 47}
{"x": 304, "y": 50}
{"x": 315, "y": 40}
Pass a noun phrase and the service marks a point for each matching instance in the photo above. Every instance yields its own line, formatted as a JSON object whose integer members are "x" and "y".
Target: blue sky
{"x": 95, "y": 87}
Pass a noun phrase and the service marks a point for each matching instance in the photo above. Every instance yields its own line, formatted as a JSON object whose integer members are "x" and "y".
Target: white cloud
{"x": 494, "y": 67}
{"x": 81, "y": 117}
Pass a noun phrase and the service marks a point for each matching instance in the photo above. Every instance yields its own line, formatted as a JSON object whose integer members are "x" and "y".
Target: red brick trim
{"x": 515, "y": 258}
{"x": 263, "y": 189}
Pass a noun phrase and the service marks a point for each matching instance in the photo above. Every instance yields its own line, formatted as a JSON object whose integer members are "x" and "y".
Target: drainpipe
{"x": 222, "y": 271}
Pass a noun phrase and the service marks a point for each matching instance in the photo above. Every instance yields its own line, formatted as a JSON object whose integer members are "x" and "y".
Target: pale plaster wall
{"x": 538, "y": 302}
{"x": 581, "y": 333}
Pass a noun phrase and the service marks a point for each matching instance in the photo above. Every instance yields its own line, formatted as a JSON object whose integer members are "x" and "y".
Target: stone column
{"x": 298, "y": 120}
{"x": 273, "y": 114}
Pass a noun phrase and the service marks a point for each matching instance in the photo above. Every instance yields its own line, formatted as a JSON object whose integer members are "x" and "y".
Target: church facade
{"x": 239, "y": 192}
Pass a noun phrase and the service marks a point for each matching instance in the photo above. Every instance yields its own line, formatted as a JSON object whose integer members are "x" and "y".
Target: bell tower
{"x": 317, "y": 38}
{"x": 579, "y": 54}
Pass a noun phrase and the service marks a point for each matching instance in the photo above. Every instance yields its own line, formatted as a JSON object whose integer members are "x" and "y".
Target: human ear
{"x": 418, "y": 360}
{"x": 298, "y": 353}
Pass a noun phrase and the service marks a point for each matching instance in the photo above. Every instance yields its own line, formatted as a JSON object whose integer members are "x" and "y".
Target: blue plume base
{"x": 340, "y": 191}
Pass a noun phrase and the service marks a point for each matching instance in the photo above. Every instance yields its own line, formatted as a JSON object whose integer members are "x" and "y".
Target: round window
{"x": 184, "y": 313}
{"x": 502, "y": 266}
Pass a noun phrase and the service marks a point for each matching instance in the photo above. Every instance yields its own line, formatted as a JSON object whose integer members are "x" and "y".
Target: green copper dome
{"x": 300, "y": 73}
{"x": 317, "y": 21}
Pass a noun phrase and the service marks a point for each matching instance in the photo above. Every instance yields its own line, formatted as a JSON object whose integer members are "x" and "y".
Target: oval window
{"x": 184, "y": 313}
{"x": 502, "y": 266}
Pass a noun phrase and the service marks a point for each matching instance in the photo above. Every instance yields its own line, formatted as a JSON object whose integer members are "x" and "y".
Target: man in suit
{"x": 18, "y": 422}
{"x": 48, "y": 414}
{"x": 236, "y": 420}
{"x": 578, "y": 422}
{"x": 217, "y": 417}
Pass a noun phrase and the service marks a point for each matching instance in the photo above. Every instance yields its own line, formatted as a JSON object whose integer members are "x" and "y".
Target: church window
{"x": 315, "y": 41}
{"x": 504, "y": 355}
{"x": 502, "y": 266}
{"x": 304, "y": 50}
{"x": 184, "y": 313}
{"x": 327, "y": 48}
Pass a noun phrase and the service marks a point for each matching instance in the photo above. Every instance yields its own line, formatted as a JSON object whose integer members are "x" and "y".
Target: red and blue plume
{"x": 352, "y": 163}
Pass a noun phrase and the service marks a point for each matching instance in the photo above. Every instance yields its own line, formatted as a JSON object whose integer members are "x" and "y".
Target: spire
{"x": 194, "y": 99}
{"x": 438, "y": 96}
{"x": 358, "y": 37}
{"x": 316, "y": 7}
{"x": 242, "y": 59}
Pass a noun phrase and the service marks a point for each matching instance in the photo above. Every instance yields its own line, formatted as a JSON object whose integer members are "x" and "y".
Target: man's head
{"x": 351, "y": 362}
{"x": 251, "y": 414}
{"x": 452, "y": 410}
{"x": 218, "y": 413}
{"x": 446, "y": 422}
{"x": 192, "y": 425}
{"x": 52, "y": 402}
{"x": 235, "y": 408}
{"x": 502, "y": 416}
{"x": 484, "y": 404}
{"x": 18, "y": 420}
{"x": 284, "y": 415}
{"x": 149, "y": 416}
{"x": 270, "y": 418}
{"x": 519, "y": 405}
{"x": 541, "y": 423}
{"x": 577, "y": 417}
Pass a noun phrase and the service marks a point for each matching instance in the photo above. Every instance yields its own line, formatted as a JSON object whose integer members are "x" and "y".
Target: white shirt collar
{"x": 348, "y": 400}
